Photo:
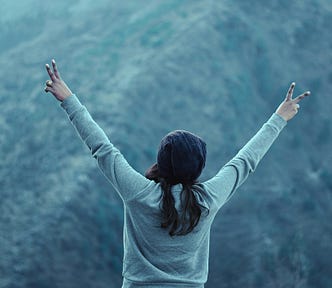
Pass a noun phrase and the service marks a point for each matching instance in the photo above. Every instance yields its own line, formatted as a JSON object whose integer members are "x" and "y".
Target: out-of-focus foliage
{"x": 143, "y": 68}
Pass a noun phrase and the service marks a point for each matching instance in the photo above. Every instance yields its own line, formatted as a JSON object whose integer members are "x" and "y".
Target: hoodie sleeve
{"x": 126, "y": 181}
{"x": 231, "y": 176}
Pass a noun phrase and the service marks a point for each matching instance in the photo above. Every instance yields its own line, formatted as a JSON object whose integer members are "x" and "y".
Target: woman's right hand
{"x": 289, "y": 107}
{"x": 56, "y": 85}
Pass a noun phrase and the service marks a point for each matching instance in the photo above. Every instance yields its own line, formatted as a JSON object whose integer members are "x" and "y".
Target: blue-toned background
{"x": 143, "y": 68}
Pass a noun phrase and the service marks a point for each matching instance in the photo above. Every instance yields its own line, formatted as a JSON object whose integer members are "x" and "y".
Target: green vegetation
{"x": 143, "y": 68}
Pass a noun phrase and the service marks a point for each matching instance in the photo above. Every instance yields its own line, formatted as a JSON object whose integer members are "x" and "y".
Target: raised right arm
{"x": 125, "y": 179}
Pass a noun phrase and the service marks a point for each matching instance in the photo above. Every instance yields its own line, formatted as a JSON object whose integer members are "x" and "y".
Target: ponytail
{"x": 170, "y": 216}
{"x": 190, "y": 209}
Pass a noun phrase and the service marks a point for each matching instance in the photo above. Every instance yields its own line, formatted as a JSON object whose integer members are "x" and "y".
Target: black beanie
{"x": 181, "y": 157}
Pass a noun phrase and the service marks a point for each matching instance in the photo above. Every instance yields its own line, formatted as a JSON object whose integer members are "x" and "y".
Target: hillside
{"x": 144, "y": 68}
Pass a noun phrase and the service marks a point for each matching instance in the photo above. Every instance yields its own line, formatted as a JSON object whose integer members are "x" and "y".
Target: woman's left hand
{"x": 289, "y": 107}
{"x": 56, "y": 85}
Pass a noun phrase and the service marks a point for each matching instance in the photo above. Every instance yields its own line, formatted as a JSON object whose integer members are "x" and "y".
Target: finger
{"x": 290, "y": 92}
{"x": 50, "y": 73}
{"x": 55, "y": 68}
{"x": 48, "y": 89}
{"x": 300, "y": 97}
{"x": 49, "y": 83}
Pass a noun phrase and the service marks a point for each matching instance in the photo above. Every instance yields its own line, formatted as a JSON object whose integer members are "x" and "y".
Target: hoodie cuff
{"x": 71, "y": 104}
{"x": 277, "y": 121}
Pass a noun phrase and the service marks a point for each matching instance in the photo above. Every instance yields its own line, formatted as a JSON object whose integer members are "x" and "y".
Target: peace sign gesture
{"x": 289, "y": 107}
{"x": 56, "y": 85}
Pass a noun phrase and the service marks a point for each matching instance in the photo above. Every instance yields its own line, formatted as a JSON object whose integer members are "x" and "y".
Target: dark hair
{"x": 191, "y": 210}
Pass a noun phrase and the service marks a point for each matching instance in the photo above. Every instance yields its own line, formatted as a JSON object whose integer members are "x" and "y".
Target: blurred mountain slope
{"x": 143, "y": 68}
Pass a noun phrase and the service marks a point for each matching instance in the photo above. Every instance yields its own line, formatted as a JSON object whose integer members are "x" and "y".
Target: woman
{"x": 168, "y": 213}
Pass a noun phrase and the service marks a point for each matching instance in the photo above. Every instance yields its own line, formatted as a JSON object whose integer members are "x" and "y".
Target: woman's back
{"x": 152, "y": 255}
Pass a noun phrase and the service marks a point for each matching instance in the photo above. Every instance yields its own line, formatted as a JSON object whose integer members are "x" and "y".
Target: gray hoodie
{"x": 152, "y": 258}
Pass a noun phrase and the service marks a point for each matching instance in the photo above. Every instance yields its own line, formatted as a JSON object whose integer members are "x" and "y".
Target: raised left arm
{"x": 236, "y": 171}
